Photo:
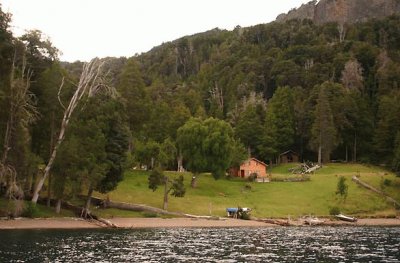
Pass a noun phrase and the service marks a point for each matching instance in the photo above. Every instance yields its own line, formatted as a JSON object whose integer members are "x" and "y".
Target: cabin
{"x": 289, "y": 157}
{"x": 249, "y": 167}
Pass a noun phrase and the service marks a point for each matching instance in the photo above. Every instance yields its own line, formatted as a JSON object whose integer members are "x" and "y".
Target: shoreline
{"x": 140, "y": 223}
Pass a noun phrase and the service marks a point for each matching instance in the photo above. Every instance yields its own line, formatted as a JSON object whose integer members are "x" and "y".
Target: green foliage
{"x": 207, "y": 145}
{"x": 342, "y": 187}
{"x": 323, "y": 131}
{"x": 334, "y": 210}
{"x": 388, "y": 125}
{"x": 30, "y": 210}
{"x": 147, "y": 153}
{"x": 178, "y": 188}
{"x": 279, "y": 123}
{"x": 156, "y": 178}
{"x": 295, "y": 68}
{"x": 116, "y": 147}
{"x": 168, "y": 153}
{"x": 396, "y": 159}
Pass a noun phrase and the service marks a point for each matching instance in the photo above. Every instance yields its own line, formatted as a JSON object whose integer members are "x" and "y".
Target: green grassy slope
{"x": 275, "y": 199}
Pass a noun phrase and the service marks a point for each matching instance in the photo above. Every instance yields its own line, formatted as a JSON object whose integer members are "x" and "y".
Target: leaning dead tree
{"x": 91, "y": 82}
{"x": 22, "y": 112}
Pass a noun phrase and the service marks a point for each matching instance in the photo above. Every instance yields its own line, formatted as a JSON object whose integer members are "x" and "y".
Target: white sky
{"x": 83, "y": 29}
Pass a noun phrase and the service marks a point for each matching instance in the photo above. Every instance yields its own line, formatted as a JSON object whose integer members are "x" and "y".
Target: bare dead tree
{"x": 217, "y": 95}
{"x": 352, "y": 76}
{"x": 22, "y": 112}
{"x": 91, "y": 82}
{"x": 342, "y": 31}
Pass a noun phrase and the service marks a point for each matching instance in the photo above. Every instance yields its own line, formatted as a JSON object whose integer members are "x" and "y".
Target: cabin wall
{"x": 251, "y": 166}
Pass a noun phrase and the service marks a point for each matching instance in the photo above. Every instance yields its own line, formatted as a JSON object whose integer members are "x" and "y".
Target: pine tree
{"x": 323, "y": 131}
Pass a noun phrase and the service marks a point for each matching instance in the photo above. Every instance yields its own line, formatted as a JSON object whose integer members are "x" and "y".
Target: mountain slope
{"x": 344, "y": 11}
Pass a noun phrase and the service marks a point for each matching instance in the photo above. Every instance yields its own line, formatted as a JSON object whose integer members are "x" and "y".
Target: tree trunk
{"x": 320, "y": 154}
{"x": 193, "y": 183}
{"x": 152, "y": 163}
{"x": 347, "y": 154}
{"x": 58, "y": 206}
{"x": 180, "y": 163}
{"x": 49, "y": 191}
{"x": 355, "y": 148}
{"x": 48, "y": 167}
{"x": 166, "y": 191}
{"x": 90, "y": 83}
{"x": 320, "y": 149}
{"x": 86, "y": 209}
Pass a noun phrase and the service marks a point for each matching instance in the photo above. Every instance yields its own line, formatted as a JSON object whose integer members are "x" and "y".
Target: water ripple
{"x": 228, "y": 245}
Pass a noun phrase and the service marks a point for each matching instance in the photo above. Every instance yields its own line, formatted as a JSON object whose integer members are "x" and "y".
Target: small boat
{"x": 238, "y": 212}
{"x": 346, "y": 218}
{"x": 232, "y": 211}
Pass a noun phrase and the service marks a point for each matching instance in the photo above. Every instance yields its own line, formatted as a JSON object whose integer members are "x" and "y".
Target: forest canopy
{"x": 325, "y": 92}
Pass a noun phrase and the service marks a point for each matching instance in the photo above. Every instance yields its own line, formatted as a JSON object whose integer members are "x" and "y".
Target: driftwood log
{"x": 371, "y": 188}
{"x": 142, "y": 208}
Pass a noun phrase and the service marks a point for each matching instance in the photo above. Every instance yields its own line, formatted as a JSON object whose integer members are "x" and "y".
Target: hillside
{"x": 275, "y": 199}
{"x": 326, "y": 91}
{"x": 343, "y": 11}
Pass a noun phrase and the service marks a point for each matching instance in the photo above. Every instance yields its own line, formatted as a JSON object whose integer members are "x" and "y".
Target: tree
{"x": 22, "y": 112}
{"x": 148, "y": 153}
{"x": 91, "y": 83}
{"x": 387, "y": 126}
{"x": 249, "y": 119}
{"x": 323, "y": 131}
{"x": 206, "y": 146}
{"x": 352, "y": 77}
{"x": 65, "y": 172}
{"x": 168, "y": 153}
{"x": 342, "y": 187}
{"x": 103, "y": 142}
{"x": 132, "y": 89}
{"x": 279, "y": 122}
{"x": 117, "y": 141}
{"x": 396, "y": 158}
{"x": 175, "y": 186}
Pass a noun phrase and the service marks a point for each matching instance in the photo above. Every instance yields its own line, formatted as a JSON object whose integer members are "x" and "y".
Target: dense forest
{"x": 328, "y": 92}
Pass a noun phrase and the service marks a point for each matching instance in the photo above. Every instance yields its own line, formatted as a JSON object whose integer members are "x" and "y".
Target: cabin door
{"x": 242, "y": 173}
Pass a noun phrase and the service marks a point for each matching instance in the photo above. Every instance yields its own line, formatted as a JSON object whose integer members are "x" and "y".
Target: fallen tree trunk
{"x": 142, "y": 208}
{"x": 371, "y": 188}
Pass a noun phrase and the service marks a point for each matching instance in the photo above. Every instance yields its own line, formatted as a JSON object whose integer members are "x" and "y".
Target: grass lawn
{"x": 275, "y": 199}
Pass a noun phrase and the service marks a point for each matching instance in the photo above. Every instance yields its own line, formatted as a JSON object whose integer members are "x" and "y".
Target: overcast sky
{"x": 83, "y": 29}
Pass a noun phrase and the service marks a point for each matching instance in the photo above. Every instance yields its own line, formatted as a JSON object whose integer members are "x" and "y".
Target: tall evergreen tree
{"x": 279, "y": 122}
{"x": 323, "y": 131}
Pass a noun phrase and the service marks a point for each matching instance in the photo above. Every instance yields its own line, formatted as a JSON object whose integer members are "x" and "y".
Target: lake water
{"x": 275, "y": 244}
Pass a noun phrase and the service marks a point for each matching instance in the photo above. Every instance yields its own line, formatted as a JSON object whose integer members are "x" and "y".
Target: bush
{"x": 245, "y": 216}
{"x": 149, "y": 214}
{"x": 30, "y": 210}
{"x": 342, "y": 187}
{"x": 387, "y": 182}
{"x": 247, "y": 187}
{"x": 334, "y": 210}
{"x": 252, "y": 177}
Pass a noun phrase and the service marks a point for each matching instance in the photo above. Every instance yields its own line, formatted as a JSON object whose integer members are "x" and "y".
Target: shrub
{"x": 387, "y": 182}
{"x": 245, "y": 216}
{"x": 30, "y": 210}
{"x": 252, "y": 177}
{"x": 342, "y": 187}
{"x": 247, "y": 187}
{"x": 334, "y": 210}
{"x": 149, "y": 214}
